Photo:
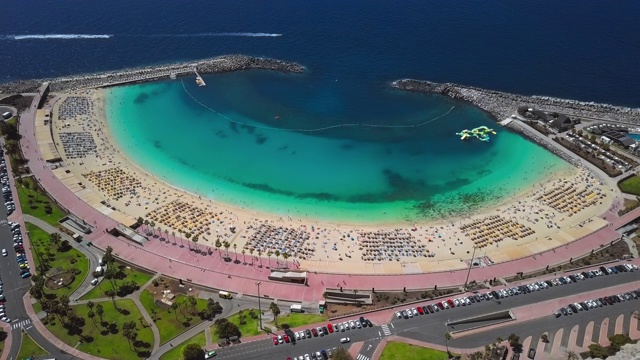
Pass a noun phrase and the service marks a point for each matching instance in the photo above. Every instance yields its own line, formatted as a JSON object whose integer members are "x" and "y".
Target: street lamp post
{"x": 259, "y": 306}
{"x": 470, "y": 265}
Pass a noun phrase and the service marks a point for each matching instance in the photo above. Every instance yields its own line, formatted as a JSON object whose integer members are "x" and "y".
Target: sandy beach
{"x": 559, "y": 210}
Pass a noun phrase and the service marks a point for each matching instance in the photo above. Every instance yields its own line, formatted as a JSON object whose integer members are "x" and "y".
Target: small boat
{"x": 277, "y": 117}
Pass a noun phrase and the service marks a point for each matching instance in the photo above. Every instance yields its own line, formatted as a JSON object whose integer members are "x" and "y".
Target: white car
{"x": 303, "y": 335}
{"x": 352, "y": 324}
{"x": 467, "y": 301}
{"x": 398, "y": 315}
{"x": 297, "y": 336}
{"x": 94, "y": 282}
{"x": 415, "y": 312}
{"x": 5, "y": 319}
{"x": 4, "y": 252}
{"x": 345, "y": 340}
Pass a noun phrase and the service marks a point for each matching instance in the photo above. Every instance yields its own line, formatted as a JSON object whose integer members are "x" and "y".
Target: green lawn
{"x": 176, "y": 352}
{"x": 172, "y": 324}
{"x": 294, "y": 320}
{"x": 631, "y": 185}
{"x": 29, "y": 348}
{"x": 33, "y": 202}
{"x": 250, "y": 328}
{"x": 71, "y": 259}
{"x": 403, "y": 351}
{"x": 104, "y": 341}
{"x": 132, "y": 274}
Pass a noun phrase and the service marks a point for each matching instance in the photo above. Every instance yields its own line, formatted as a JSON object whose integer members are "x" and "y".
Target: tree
{"x": 225, "y": 329}
{"x": 235, "y": 247}
{"x": 285, "y": 256}
{"x": 92, "y": 316}
{"x": 55, "y": 238}
{"x": 100, "y": 312}
{"x": 342, "y": 354}
{"x": 192, "y": 351}
{"x": 251, "y": 253}
{"x": 195, "y": 241}
{"x": 544, "y": 338}
{"x": 595, "y": 350}
{"x": 218, "y": 245}
{"x": 112, "y": 294}
{"x": 193, "y": 302}
{"x": 129, "y": 331}
{"x": 277, "y": 253}
{"x": 447, "y": 337}
{"x": 108, "y": 257}
{"x": 244, "y": 259}
{"x": 226, "y": 247}
{"x": 242, "y": 317}
{"x": 275, "y": 310}
{"x": 260, "y": 256}
{"x": 269, "y": 253}
{"x": 174, "y": 308}
{"x": 618, "y": 340}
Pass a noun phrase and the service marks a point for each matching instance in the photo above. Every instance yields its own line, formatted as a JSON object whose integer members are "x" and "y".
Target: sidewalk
{"x": 7, "y": 341}
{"x": 46, "y": 333}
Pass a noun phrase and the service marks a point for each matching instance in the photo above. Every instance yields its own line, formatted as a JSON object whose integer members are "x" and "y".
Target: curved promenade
{"x": 212, "y": 271}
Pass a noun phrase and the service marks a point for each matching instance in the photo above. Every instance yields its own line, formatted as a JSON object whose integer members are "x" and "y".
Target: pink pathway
{"x": 211, "y": 271}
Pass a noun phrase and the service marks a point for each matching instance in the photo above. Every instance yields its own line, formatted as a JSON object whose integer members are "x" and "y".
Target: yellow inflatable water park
{"x": 481, "y": 133}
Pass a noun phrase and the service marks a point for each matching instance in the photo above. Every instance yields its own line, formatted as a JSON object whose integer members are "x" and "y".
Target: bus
{"x": 224, "y": 295}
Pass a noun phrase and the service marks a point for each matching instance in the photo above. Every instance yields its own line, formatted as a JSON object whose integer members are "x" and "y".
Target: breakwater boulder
{"x": 502, "y": 105}
{"x": 219, "y": 64}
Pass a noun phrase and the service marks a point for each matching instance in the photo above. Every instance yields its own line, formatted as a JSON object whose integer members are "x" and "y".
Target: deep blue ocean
{"x": 585, "y": 50}
{"x": 190, "y": 136}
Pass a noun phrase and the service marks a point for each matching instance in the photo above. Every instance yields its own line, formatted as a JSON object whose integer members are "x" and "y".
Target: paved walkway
{"x": 211, "y": 271}
{"x": 86, "y": 286}
{"x": 52, "y": 338}
{"x": 136, "y": 299}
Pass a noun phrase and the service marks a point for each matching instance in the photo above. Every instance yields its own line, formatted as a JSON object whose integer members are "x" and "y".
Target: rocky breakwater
{"x": 502, "y": 105}
{"x": 219, "y": 64}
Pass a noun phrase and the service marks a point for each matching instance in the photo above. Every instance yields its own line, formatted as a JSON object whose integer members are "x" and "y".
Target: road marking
{"x": 362, "y": 357}
{"x": 369, "y": 347}
{"x": 385, "y": 330}
{"x": 28, "y": 328}
{"x": 392, "y": 326}
{"x": 379, "y": 334}
{"x": 20, "y": 324}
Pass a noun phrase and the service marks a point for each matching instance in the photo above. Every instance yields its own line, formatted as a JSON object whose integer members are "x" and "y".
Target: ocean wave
{"x": 57, "y": 36}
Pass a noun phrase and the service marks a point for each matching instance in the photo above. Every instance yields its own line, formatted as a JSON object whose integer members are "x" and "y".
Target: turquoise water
{"x": 348, "y": 174}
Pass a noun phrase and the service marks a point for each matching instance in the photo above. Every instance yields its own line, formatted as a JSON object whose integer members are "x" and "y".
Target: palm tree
{"x": 152, "y": 225}
{"x": 226, "y": 247}
{"x": 195, "y": 242}
{"x": 92, "y": 316}
{"x": 174, "y": 237}
{"x": 100, "y": 312}
{"x": 129, "y": 331}
{"x": 166, "y": 235}
{"x": 235, "y": 246}
{"x": 112, "y": 294}
{"x": 251, "y": 252}
{"x": 448, "y": 337}
{"x": 244, "y": 260}
{"x": 269, "y": 253}
{"x": 277, "y": 256}
{"x": 55, "y": 238}
{"x": 218, "y": 244}
{"x": 285, "y": 256}
{"x": 571, "y": 355}
{"x": 174, "y": 307}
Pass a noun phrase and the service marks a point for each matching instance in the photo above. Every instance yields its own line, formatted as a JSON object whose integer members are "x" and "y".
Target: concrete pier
{"x": 199, "y": 79}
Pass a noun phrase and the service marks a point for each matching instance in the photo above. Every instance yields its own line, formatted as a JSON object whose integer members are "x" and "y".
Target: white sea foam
{"x": 57, "y": 36}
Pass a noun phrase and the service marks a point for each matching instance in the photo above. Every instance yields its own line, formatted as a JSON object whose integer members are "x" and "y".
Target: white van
{"x": 99, "y": 271}
{"x": 100, "y": 261}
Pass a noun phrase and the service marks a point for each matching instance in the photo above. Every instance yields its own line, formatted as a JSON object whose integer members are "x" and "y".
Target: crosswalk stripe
{"x": 362, "y": 357}
{"x": 385, "y": 330}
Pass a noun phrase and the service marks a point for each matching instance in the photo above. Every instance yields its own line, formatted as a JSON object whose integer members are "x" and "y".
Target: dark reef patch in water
{"x": 157, "y": 144}
{"x": 234, "y": 127}
{"x": 261, "y": 139}
{"x": 141, "y": 98}
{"x": 221, "y": 134}
{"x": 281, "y": 148}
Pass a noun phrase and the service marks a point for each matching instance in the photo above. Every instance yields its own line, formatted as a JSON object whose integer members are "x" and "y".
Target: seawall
{"x": 219, "y": 64}
{"x": 502, "y": 105}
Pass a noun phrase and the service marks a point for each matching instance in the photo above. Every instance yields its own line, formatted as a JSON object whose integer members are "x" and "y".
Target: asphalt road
{"x": 15, "y": 288}
{"x": 432, "y": 327}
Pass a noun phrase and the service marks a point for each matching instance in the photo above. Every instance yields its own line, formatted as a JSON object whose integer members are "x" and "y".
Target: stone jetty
{"x": 219, "y": 64}
{"x": 502, "y": 105}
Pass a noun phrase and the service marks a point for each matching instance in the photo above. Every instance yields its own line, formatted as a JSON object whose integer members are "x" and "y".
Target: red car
{"x": 275, "y": 340}
{"x": 420, "y": 311}
{"x": 330, "y": 327}
{"x": 286, "y": 339}
{"x": 314, "y": 331}
{"x": 440, "y": 306}
{"x": 450, "y": 302}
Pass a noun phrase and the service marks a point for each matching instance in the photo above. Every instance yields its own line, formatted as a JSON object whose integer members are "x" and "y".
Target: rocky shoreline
{"x": 501, "y": 105}
{"x": 218, "y": 64}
